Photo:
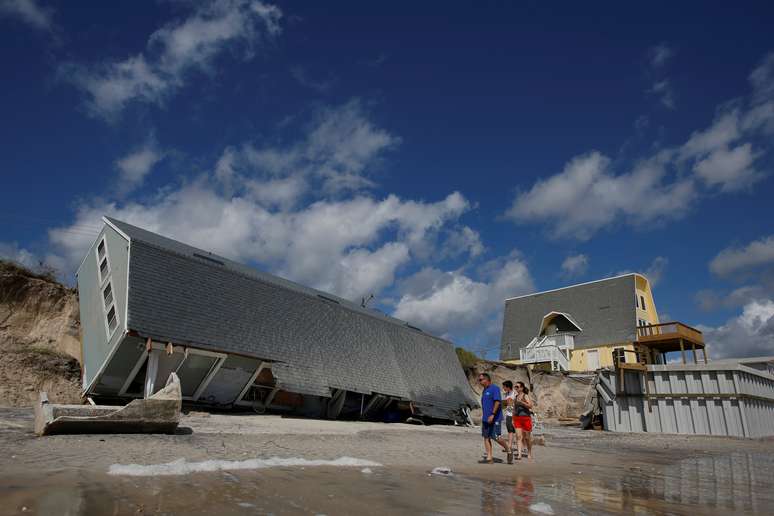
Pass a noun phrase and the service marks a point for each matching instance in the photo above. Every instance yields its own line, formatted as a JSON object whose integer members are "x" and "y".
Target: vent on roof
{"x": 413, "y": 327}
{"x": 208, "y": 258}
{"x": 328, "y": 298}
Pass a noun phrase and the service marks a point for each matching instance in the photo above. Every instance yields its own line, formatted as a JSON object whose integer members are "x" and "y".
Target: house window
{"x": 101, "y": 249}
{"x": 107, "y": 295}
{"x": 636, "y": 301}
{"x": 104, "y": 269}
{"x": 642, "y": 302}
{"x": 619, "y": 355}
{"x": 112, "y": 320}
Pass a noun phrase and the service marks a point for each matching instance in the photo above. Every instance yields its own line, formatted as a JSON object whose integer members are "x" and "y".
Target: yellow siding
{"x": 578, "y": 358}
{"x": 642, "y": 288}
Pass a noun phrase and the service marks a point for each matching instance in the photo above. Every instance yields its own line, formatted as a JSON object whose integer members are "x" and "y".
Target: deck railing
{"x": 669, "y": 330}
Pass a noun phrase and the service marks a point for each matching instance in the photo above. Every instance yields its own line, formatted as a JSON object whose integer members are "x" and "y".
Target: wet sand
{"x": 575, "y": 472}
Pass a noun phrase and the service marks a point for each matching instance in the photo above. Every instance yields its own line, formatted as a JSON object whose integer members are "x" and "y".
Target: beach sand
{"x": 388, "y": 470}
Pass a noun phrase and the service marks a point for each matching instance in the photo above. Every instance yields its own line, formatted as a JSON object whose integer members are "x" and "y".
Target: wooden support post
{"x": 704, "y": 352}
{"x": 682, "y": 351}
{"x": 695, "y": 355}
{"x": 270, "y": 397}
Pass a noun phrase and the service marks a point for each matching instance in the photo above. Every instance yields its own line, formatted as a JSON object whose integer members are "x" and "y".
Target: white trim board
{"x": 579, "y": 285}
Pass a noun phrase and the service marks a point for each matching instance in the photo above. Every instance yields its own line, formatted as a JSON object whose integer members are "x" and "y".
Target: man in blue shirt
{"x": 492, "y": 414}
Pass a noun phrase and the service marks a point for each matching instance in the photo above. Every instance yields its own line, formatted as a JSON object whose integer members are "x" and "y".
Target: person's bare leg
{"x": 510, "y": 440}
{"x": 502, "y": 442}
{"x": 519, "y": 442}
{"x": 528, "y": 438}
{"x": 488, "y": 448}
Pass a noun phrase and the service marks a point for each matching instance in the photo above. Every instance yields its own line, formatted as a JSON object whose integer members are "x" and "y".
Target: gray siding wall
{"x": 96, "y": 346}
{"x": 605, "y": 311}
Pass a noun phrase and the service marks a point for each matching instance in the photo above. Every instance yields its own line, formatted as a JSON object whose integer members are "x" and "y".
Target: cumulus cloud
{"x": 733, "y": 260}
{"x": 173, "y": 52}
{"x": 575, "y": 265}
{"x": 135, "y": 166}
{"x": 12, "y": 252}
{"x": 338, "y": 149}
{"x": 30, "y": 12}
{"x": 591, "y": 194}
{"x": 284, "y": 208}
{"x": 588, "y": 196}
{"x": 749, "y": 334}
{"x": 447, "y": 301}
{"x": 341, "y": 246}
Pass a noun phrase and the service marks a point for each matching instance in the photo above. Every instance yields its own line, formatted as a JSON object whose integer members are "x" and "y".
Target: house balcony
{"x": 672, "y": 336}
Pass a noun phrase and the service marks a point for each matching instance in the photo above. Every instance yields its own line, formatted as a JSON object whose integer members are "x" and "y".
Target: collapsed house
{"x": 236, "y": 336}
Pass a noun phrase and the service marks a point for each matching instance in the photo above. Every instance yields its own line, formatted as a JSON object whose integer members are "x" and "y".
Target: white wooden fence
{"x": 726, "y": 399}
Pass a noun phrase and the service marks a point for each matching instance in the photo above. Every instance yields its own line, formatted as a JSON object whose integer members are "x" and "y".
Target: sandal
{"x": 486, "y": 461}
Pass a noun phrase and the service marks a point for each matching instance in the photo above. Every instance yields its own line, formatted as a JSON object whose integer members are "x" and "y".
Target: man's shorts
{"x": 523, "y": 422}
{"x": 509, "y": 425}
{"x": 490, "y": 430}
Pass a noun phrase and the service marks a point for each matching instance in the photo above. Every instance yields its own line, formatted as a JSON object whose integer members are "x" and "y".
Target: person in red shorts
{"x": 522, "y": 420}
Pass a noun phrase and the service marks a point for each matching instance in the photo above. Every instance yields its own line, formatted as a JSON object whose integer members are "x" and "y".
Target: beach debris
{"x": 541, "y": 508}
{"x": 442, "y": 470}
{"x": 366, "y": 471}
{"x": 159, "y": 413}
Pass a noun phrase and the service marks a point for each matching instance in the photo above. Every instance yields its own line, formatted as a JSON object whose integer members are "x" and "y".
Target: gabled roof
{"x": 316, "y": 340}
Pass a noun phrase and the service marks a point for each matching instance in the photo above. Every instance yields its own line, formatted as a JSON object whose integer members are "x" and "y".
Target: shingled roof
{"x": 317, "y": 341}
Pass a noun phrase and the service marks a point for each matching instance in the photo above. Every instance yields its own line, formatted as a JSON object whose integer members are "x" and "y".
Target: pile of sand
{"x": 39, "y": 338}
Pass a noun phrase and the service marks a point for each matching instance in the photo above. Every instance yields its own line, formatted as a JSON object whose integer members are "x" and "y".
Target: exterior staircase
{"x": 553, "y": 349}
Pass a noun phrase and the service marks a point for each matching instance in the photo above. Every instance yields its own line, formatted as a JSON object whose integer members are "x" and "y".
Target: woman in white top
{"x": 508, "y": 400}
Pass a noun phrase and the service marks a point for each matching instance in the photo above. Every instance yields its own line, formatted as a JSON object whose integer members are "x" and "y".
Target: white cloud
{"x": 663, "y": 90}
{"x": 709, "y": 300}
{"x": 12, "y": 252}
{"x": 135, "y": 166}
{"x": 463, "y": 240}
{"x": 656, "y": 269}
{"x": 747, "y": 335}
{"x": 174, "y": 51}
{"x": 762, "y": 80}
{"x": 303, "y": 78}
{"x": 734, "y": 260}
{"x": 659, "y": 54}
{"x": 590, "y": 195}
{"x": 29, "y": 11}
{"x": 350, "y": 247}
{"x": 338, "y": 150}
{"x": 453, "y": 301}
{"x": 575, "y": 265}
{"x": 730, "y": 169}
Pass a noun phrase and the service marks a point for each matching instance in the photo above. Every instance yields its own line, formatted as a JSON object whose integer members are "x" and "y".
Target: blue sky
{"x": 442, "y": 157}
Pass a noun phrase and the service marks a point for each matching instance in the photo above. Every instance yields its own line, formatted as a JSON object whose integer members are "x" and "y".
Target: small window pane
{"x": 101, "y": 249}
{"x": 107, "y": 294}
{"x": 111, "y": 318}
{"x": 103, "y": 268}
{"x": 642, "y": 302}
